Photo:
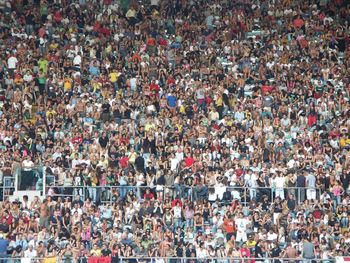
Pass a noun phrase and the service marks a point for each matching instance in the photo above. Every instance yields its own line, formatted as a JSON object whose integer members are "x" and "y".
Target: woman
{"x": 189, "y": 215}
{"x": 35, "y": 204}
{"x": 66, "y": 254}
{"x": 66, "y": 221}
{"x": 168, "y": 218}
{"x": 337, "y": 191}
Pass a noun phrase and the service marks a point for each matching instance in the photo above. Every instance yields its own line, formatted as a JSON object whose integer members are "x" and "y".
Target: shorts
{"x": 241, "y": 236}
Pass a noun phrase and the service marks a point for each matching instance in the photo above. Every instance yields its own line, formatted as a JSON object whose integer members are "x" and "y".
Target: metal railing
{"x": 108, "y": 194}
{"x": 8, "y": 188}
{"x": 167, "y": 260}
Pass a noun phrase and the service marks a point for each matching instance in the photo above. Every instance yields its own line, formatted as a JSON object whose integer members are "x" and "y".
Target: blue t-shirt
{"x": 171, "y": 101}
{"x": 3, "y": 246}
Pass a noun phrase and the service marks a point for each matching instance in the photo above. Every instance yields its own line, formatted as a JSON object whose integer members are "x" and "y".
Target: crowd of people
{"x": 182, "y": 128}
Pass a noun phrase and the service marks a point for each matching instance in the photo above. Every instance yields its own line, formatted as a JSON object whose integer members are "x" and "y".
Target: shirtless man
{"x": 44, "y": 214}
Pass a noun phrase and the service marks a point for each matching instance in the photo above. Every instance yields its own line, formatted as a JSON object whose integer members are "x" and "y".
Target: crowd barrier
{"x": 170, "y": 260}
{"x": 106, "y": 194}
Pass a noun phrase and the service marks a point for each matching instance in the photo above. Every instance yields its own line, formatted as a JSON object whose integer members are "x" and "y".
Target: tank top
{"x": 168, "y": 220}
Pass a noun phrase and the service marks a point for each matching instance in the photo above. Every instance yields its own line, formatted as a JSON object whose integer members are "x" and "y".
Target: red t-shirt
{"x": 298, "y": 22}
{"x": 189, "y": 161}
{"x": 229, "y": 226}
{"x": 124, "y": 162}
{"x": 266, "y": 88}
{"x": 151, "y": 42}
{"x": 154, "y": 88}
{"x": 57, "y": 16}
{"x": 8, "y": 219}
{"x": 149, "y": 196}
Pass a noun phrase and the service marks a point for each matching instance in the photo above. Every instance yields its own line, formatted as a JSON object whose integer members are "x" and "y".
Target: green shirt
{"x": 43, "y": 64}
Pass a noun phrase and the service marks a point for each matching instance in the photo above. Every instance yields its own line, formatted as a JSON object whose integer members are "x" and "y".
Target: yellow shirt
{"x": 113, "y": 77}
{"x": 229, "y": 123}
{"x": 132, "y": 157}
{"x": 94, "y": 181}
{"x": 54, "y": 46}
{"x": 149, "y": 126}
{"x": 218, "y": 101}
{"x": 50, "y": 112}
{"x": 179, "y": 127}
{"x": 96, "y": 85}
{"x": 96, "y": 252}
{"x": 251, "y": 243}
{"x": 343, "y": 141}
{"x": 50, "y": 260}
{"x": 182, "y": 109}
{"x": 67, "y": 85}
{"x": 131, "y": 13}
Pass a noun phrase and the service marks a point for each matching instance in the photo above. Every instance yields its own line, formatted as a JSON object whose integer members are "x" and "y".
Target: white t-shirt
{"x": 280, "y": 182}
{"x": 173, "y": 164}
{"x": 133, "y": 83}
{"x": 12, "y": 62}
{"x": 27, "y": 164}
{"x": 177, "y": 212}
{"x": 77, "y": 60}
{"x": 29, "y": 254}
{"x": 271, "y": 236}
{"x": 241, "y": 224}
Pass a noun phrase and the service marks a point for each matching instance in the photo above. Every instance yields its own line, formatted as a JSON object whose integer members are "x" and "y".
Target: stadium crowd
{"x": 178, "y": 128}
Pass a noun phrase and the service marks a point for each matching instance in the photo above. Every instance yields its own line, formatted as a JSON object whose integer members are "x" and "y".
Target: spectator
{"x": 181, "y": 128}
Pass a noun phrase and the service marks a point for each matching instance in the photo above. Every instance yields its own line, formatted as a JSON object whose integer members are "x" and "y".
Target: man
{"x": 3, "y": 248}
{"x": 276, "y": 252}
{"x": 30, "y": 252}
{"x": 27, "y": 180}
{"x": 311, "y": 186}
{"x": 251, "y": 182}
{"x": 241, "y": 226}
{"x": 12, "y": 64}
{"x": 301, "y": 183}
{"x": 106, "y": 252}
{"x": 291, "y": 203}
{"x": 280, "y": 181}
{"x": 309, "y": 251}
{"x": 229, "y": 227}
{"x": 290, "y": 251}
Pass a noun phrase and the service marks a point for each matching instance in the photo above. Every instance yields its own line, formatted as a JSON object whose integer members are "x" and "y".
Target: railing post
{"x": 298, "y": 189}
{"x": 84, "y": 192}
{"x": 192, "y": 193}
{"x": 111, "y": 195}
{"x": 3, "y": 192}
{"x": 272, "y": 190}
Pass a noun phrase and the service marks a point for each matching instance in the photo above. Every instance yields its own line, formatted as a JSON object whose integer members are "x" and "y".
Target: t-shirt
{"x": 43, "y": 63}
{"x": 189, "y": 161}
{"x": 3, "y": 245}
{"x": 77, "y": 60}
{"x": 171, "y": 101}
{"x": 241, "y": 224}
{"x": 12, "y": 62}
{"x": 113, "y": 77}
{"x": 308, "y": 250}
{"x": 276, "y": 251}
{"x": 229, "y": 226}
{"x": 311, "y": 180}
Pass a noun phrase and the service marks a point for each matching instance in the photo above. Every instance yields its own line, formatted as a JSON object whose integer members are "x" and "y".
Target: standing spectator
{"x": 311, "y": 185}
{"x": 4, "y": 243}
